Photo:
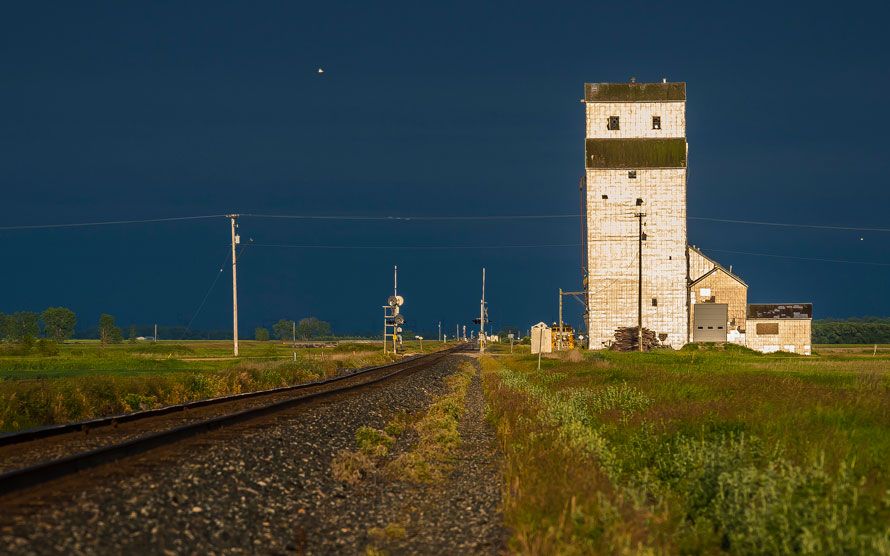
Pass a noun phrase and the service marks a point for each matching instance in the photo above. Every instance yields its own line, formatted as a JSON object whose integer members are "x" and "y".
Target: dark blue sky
{"x": 114, "y": 111}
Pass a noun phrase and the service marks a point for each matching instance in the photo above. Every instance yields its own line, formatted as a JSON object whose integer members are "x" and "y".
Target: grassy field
{"x": 695, "y": 452}
{"x": 80, "y": 383}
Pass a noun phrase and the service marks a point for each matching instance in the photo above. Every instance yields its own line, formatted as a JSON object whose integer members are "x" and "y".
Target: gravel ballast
{"x": 267, "y": 488}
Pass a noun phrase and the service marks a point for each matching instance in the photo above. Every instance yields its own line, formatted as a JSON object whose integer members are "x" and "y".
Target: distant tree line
{"x": 57, "y": 324}
{"x": 309, "y": 328}
{"x": 19, "y": 331}
{"x": 164, "y": 333}
{"x": 865, "y": 330}
{"x": 54, "y": 323}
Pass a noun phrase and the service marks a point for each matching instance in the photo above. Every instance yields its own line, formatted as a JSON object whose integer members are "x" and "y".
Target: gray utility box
{"x": 709, "y": 322}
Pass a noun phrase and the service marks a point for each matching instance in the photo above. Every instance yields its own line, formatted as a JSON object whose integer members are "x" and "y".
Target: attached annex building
{"x": 634, "y": 205}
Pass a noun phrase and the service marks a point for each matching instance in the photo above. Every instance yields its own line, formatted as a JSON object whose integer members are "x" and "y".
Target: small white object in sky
{"x": 862, "y": 239}
{"x": 320, "y": 70}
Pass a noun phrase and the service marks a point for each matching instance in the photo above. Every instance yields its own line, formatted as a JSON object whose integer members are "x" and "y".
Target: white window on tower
{"x": 656, "y": 122}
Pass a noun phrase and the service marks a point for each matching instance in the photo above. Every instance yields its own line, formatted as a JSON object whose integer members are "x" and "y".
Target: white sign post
{"x": 541, "y": 340}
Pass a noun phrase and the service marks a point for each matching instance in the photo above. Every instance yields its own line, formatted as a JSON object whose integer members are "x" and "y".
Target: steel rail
{"x": 18, "y": 437}
{"x": 44, "y": 472}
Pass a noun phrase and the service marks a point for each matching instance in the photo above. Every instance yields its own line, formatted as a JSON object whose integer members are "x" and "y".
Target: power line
{"x": 557, "y": 216}
{"x": 788, "y": 225}
{"x": 110, "y": 222}
{"x": 555, "y": 245}
{"x": 795, "y": 257}
{"x": 418, "y": 247}
{"x": 549, "y": 216}
{"x": 206, "y": 295}
{"x": 396, "y": 218}
{"x": 419, "y": 218}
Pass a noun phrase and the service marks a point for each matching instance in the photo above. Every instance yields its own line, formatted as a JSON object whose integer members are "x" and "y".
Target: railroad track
{"x": 34, "y": 457}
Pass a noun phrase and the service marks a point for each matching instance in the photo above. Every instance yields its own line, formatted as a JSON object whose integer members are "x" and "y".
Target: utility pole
{"x": 640, "y": 236}
{"x": 457, "y": 332}
{"x": 482, "y": 316}
{"x": 440, "y": 332}
{"x": 235, "y": 240}
{"x": 559, "y": 337}
{"x": 295, "y": 332}
{"x": 156, "y": 332}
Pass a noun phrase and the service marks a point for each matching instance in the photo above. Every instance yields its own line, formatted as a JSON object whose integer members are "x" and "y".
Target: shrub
{"x": 47, "y": 348}
{"x": 26, "y": 345}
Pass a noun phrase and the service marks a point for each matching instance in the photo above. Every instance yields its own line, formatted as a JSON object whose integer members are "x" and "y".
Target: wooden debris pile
{"x": 626, "y": 339}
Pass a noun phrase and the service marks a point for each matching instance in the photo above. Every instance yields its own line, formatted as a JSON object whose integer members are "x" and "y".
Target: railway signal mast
{"x": 392, "y": 318}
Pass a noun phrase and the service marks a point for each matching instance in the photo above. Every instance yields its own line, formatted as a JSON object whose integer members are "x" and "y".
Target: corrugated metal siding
{"x": 780, "y": 311}
{"x": 635, "y": 153}
{"x": 634, "y": 92}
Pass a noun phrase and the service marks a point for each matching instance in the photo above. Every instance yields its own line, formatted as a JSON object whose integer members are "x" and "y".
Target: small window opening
{"x": 654, "y": 302}
{"x": 605, "y": 196}
{"x": 639, "y": 202}
{"x": 632, "y": 174}
{"x": 719, "y": 328}
{"x": 670, "y": 258}
{"x": 656, "y": 122}
{"x": 701, "y": 327}
{"x": 710, "y": 328}
{"x": 613, "y": 123}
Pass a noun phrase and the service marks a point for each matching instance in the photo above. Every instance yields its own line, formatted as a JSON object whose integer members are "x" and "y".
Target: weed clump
{"x": 351, "y": 467}
{"x": 373, "y": 442}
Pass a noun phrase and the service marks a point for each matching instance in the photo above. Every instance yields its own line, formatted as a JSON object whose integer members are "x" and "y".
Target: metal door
{"x": 709, "y": 322}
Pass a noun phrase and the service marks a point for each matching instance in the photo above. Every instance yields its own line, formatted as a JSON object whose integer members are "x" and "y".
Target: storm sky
{"x": 118, "y": 111}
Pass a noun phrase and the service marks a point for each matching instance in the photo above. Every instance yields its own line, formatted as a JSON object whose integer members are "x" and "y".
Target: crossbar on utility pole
{"x": 235, "y": 239}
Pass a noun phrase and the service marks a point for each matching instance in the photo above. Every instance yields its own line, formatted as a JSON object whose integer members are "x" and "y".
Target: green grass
{"x": 695, "y": 452}
{"x": 80, "y": 384}
{"x": 81, "y": 358}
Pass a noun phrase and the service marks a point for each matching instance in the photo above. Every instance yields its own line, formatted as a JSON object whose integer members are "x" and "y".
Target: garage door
{"x": 709, "y": 322}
